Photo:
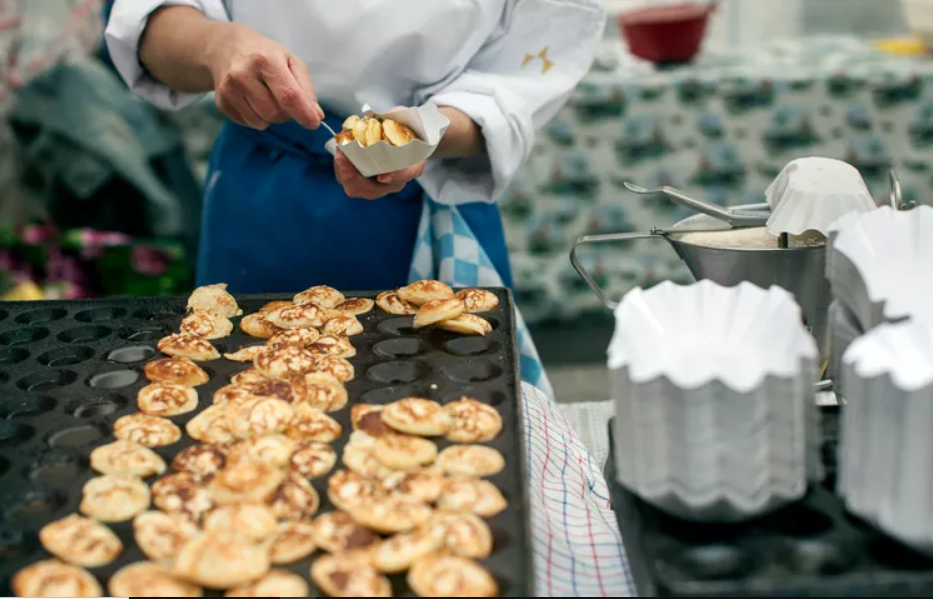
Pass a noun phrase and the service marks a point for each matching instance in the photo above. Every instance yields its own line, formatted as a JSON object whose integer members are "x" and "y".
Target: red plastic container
{"x": 666, "y": 34}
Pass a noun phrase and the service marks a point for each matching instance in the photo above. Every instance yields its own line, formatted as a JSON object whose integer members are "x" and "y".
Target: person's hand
{"x": 258, "y": 82}
{"x": 357, "y": 186}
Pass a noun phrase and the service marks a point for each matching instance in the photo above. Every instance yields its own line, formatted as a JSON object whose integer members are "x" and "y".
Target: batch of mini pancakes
{"x": 371, "y": 130}
{"x": 226, "y": 512}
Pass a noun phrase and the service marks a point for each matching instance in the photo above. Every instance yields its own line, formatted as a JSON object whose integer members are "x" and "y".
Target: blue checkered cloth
{"x": 447, "y": 250}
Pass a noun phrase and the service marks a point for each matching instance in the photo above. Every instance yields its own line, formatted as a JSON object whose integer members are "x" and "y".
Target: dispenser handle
{"x": 581, "y": 270}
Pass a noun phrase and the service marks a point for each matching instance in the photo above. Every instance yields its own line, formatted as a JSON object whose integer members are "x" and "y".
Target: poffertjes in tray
{"x": 370, "y": 130}
{"x": 232, "y": 512}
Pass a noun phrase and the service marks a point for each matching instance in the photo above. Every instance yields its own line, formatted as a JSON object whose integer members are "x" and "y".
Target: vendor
{"x": 280, "y": 212}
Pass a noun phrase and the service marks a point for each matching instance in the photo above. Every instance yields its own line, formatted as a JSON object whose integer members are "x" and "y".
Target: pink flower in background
{"x": 149, "y": 261}
{"x": 91, "y": 238}
{"x": 64, "y": 268}
{"x": 37, "y": 234}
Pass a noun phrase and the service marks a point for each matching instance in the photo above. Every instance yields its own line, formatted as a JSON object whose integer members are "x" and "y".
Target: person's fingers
{"x": 237, "y": 108}
{"x": 403, "y": 176}
{"x": 274, "y": 71}
{"x": 303, "y": 76}
{"x": 263, "y": 103}
{"x": 356, "y": 185}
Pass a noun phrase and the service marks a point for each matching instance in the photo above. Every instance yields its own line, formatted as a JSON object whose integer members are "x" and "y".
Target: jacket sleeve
{"x": 513, "y": 86}
{"x": 127, "y": 23}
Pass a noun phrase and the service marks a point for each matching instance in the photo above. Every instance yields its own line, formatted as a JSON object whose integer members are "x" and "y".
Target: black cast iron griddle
{"x": 810, "y": 549}
{"x": 69, "y": 370}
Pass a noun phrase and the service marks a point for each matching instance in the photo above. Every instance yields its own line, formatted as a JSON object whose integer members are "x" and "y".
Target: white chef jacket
{"x": 508, "y": 64}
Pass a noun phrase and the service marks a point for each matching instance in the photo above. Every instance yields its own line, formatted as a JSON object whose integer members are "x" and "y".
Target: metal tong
{"x": 748, "y": 216}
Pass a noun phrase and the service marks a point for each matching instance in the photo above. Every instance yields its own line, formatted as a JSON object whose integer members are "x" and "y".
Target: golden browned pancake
{"x": 180, "y": 371}
{"x": 472, "y": 421}
{"x": 477, "y": 300}
{"x": 321, "y": 296}
{"x": 436, "y": 311}
{"x": 404, "y": 452}
{"x": 53, "y": 578}
{"x": 472, "y": 495}
{"x": 313, "y": 459}
{"x": 293, "y": 541}
{"x": 148, "y": 579}
{"x": 471, "y": 460}
{"x": 125, "y": 458}
{"x": 283, "y": 390}
{"x": 214, "y": 299}
{"x": 182, "y": 494}
{"x": 167, "y": 399}
{"x": 161, "y": 536}
{"x": 466, "y": 324}
{"x": 296, "y": 337}
{"x": 285, "y": 363}
{"x": 273, "y": 306}
{"x": 463, "y": 534}
{"x": 337, "y": 532}
{"x": 206, "y": 325}
{"x": 396, "y": 133}
{"x": 81, "y": 541}
{"x": 311, "y": 424}
{"x": 417, "y": 416}
{"x": 298, "y": 317}
{"x": 194, "y": 348}
{"x": 340, "y": 368}
{"x": 450, "y": 576}
{"x": 211, "y": 426}
{"x": 398, "y": 553}
{"x": 355, "y": 306}
{"x": 322, "y": 391}
{"x": 150, "y": 431}
{"x": 344, "y": 576}
{"x": 359, "y": 456}
{"x": 344, "y": 137}
{"x": 295, "y": 499}
{"x": 276, "y": 450}
{"x": 246, "y": 481}
{"x": 391, "y": 514}
{"x": 359, "y": 131}
{"x": 277, "y": 583}
{"x": 368, "y": 418}
{"x": 257, "y": 325}
{"x": 245, "y": 354}
{"x": 423, "y": 485}
{"x": 333, "y": 345}
{"x": 251, "y": 522}
{"x": 247, "y": 376}
{"x": 110, "y": 498}
{"x": 347, "y": 489}
{"x": 373, "y": 133}
{"x": 421, "y": 292}
{"x": 218, "y": 561}
{"x": 343, "y": 325}
{"x": 232, "y": 394}
{"x": 201, "y": 461}
{"x": 350, "y": 123}
{"x": 259, "y": 416}
{"x": 389, "y": 301}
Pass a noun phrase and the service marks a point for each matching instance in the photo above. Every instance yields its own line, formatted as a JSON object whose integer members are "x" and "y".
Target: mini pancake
{"x": 472, "y": 495}
{"x": 359, "y": 456}
{"x": 297, "y": 337}
{"x": 161, "y": 536}
{"x": 210, "y": 426}
{"x": 283, "y": 390}
{"x": 313, "y": 459}
{"x": 355, "y": 306}
{"x": 391, "y": 514}
{"x": 466, "y": 324}
{"x": 259, "y": 416}
{"x": 437, "y": 311}
{"x": 167, "y": 399}
{"x": 202, "y": 461}
{"x": 285, "y": 363}
{"x": 398, "y": 553}
{"x": 417, "y": 416}
{"x": 179, "y": 371}
{"x": 471, "y": 460}
{"x": 339, "y": 368}
{"x": 450, "y": 576}
{"x": 322, "y": 391}
{"x": 125, "y": 458}
{"x": 472, "y": 421}
{"x": 311, "y": 424}
{"x": 217, "y": 561}
{"x": 396, "y": 133}
{"x": 390, "y": 302}
{"x": 347, "y": 489}
{"x": 359, "y": 131}
{"x": 232, "y": 394}
{"x": 148, "y": 579}
{"x": 273, "y": 306}
{"x": 421, "y": 292}
{"x": 245, "y": 354}
{"x": 295, "y": 499}
{"x": 477, "y": 300}
{"x": 462, "y": 534}
{"x": 337, "y": 532}
{"x": 53, "y": 578}
{"x": 251, "y": 482}
{"x": 404, "y": 452}
{"x": 194, "y": 348}
{"x": 373, "y": 132}
{"x": 424, "y": 485}
{"x": 344, "y": 137}
{"x": 340, "y": 576}
{"x": 182, "y": 494}
{"x": 350, "y": 123}
{"x": 81, "y": 542}
{"x": 343, "y": 325}
{"x": 246, "y": 377}
{"x": 206, "y": 325}
{"x": 277, "y": 583}
{"x": 276, "y": 450}
{"x": 321, "y": 296}
{"x": 368, "y": 418}
{"x": 251, "y": 522}
{"x": 298, "y": 317}
{"x": 214, "y": 299}
{"x": 293, "y": 541}
{"x": 258, "y": 325}
{"x": 149, "y": 431}
{"x": 333, "y": 345}
{"x": 111, "y": 498}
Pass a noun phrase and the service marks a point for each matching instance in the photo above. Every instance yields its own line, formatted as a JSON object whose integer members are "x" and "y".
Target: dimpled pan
{"x": 69, "y": 370}
{"x": 810, "y": 549}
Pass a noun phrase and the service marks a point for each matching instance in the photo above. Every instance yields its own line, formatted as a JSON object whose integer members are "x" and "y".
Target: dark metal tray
{"x": 69, "y": 370}
{"x": 810, "y": 549}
